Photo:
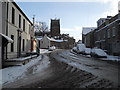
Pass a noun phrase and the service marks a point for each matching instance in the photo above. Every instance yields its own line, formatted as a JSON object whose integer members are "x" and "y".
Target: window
{"x": 23, "y": 24}
{"x": 19, "y": 21}
{"x": 23, "y": 45}
{"x": 27, "y": 40}
{"x": 29, "y": 28}
{"x": 13, "y": 15}
{"x": 108, "y": 33}
{"x": 12, "y": 44}
{"x": 113, "y": 31}
{"x": 104, "y": 36}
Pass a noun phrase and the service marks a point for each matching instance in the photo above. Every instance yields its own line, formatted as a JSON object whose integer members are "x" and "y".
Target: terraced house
{"x": 15, "y": 26}
{"x": 107, "y": 34}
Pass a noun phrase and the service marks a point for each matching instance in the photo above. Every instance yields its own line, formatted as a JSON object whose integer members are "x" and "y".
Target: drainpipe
{"x": 6, "y": 32}
{"x": 32, "y": 34}
{"x": 7, "y": 3}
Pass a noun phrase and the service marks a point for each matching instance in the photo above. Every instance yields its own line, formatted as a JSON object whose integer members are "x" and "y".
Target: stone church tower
{"x": 55, "y": 27}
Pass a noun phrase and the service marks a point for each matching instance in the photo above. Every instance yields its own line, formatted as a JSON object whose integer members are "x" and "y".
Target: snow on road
{"x": 112, "y": 58}
{"x": 95, "y": 66}
{"x": 11, "y": 74}
{"x": 43, "y": 51}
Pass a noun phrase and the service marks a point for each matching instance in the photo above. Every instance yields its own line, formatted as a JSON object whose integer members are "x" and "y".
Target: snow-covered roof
{"x": 51, "y": 39}
{"x": 55, "y": 40}
{"x": 108, "y": 25}
{"x": 87, "y": 30}
{"x": 6, "y": 37}
{"x": 39, "y": 38}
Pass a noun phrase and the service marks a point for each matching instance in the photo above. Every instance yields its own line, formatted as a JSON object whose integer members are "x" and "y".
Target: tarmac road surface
{"x": 87, "y": 73}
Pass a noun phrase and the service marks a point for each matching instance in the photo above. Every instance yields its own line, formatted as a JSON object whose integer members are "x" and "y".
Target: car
{"x": 98, "y": 53}
{"x": 52, "y": 48}
{"x": 80, "y": 48}
{"x": 74, "y": 49}
{"x": 87, "y": 51}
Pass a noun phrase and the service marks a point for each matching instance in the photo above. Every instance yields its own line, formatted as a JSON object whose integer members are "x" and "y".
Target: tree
{"x": 41, "y": 27}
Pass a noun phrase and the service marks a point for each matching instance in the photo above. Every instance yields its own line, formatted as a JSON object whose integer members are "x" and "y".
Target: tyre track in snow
{"x": 100, "y": 81}
{"x": 60, "y": 74}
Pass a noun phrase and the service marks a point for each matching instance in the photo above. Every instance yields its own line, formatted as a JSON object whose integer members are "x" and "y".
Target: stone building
{"x": 55, "y": 27}
{"x": 90, "y": 40}
{"x": 70, "y": 41}
{"x": 46, "y": 42}
{"x": 17, "y": 26}
{"x": 88, "y": 36}
{"x": 107, "y": 35}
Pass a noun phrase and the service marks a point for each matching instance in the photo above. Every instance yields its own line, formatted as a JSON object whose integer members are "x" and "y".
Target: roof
{"x": 21, "y": 11}
{"x": 39, "y": 38}
{"x": 7, "y": 38}
{"x": 87, "y": 30}
{"x": 51, "y": 39}
{"x": 54, "y": 40}
{"x": 108, "y": 25}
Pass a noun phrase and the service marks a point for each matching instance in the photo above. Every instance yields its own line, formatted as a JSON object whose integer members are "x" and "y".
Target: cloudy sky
{"x": 73, "y": 15}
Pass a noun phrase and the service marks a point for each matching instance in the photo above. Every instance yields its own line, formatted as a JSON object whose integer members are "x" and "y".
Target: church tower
{"x": 55, "y": 27}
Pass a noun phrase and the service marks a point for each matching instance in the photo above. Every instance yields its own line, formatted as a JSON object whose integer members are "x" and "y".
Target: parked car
{"x": 98, "y": 53}
{"x": 74, "y": 49}
{"x": 87, "y": 51}
{"x": 80, "y": 48}
{"x": 52, "y": 48}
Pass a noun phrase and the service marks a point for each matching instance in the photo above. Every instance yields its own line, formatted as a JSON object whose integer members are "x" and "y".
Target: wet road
{"x": 68, "y": 70}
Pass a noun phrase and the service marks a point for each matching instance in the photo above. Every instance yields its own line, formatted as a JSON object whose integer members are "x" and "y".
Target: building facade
{"x": 0, "y": 35}
{"x": 17, "y": 26}
{"x": 70, "y": 41}
{"x": 46, "y": 42}
{"x": 4, "y": 40}
{"x": 89, "y": 39}
{"x": 107, "y": 35}
{"x": 55, "y": 27}
{"x": 87, "y": 36}
{"x": 19, "y": 29}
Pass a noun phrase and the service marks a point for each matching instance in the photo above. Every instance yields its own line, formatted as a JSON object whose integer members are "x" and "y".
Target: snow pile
{"x": 43, "y": 50}
{"x": 87, "y": 51}
{"x": 81, "y": 48}
{"x": 41, "y": 65}
{"x": 113, "y": 58}
{"x": 99, "y": 52}
{"x": 10, "y": 74}
{"x": 74, "y": 49}
{"x": 52, "y": 48}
